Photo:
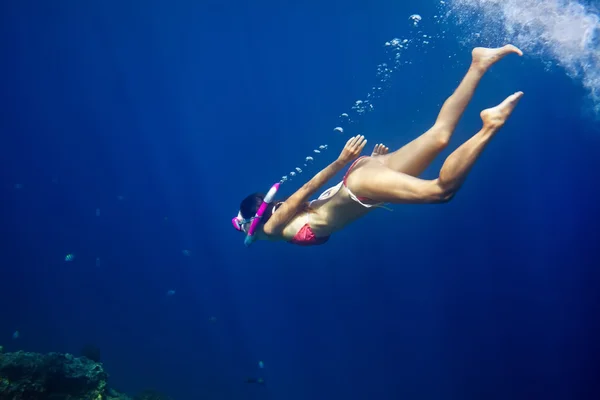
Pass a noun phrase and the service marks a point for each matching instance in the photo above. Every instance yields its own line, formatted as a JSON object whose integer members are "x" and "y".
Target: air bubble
{"x": 415, "y": 19}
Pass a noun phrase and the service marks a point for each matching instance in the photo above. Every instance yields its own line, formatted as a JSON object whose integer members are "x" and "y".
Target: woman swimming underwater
{"x": 382, "y": 177}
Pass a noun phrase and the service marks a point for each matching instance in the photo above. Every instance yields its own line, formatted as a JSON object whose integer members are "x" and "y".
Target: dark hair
{"x": 250, "y": 204}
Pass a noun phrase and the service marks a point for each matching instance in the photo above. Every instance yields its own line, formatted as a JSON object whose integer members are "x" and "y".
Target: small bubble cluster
{"x": 415, "y": 19}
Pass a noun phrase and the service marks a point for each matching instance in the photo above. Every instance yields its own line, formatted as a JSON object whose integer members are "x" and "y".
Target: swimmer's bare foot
{"x": 495, "y": 117}
{"x": 484, "y": 58}
{"x": 380, "y": 150}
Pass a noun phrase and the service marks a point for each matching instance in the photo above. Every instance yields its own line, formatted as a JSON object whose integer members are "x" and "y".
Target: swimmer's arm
{"x": 294, "y": 203}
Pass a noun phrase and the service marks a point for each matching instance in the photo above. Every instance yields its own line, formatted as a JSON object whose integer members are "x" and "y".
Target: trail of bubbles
{"x": 395, "y": 54}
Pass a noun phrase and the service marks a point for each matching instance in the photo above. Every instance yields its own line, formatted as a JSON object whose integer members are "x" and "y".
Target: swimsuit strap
{"x": 350, "y": 169}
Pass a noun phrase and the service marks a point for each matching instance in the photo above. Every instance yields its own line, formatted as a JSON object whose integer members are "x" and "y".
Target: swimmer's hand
{"x": 352, "y": 149}
{"x": 380, "y": 150}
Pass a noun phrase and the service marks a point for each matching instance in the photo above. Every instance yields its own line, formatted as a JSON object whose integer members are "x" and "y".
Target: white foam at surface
{"x": 563, "y": 32}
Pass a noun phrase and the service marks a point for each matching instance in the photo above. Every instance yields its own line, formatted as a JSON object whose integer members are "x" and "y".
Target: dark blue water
{"x": 164, "y": 116}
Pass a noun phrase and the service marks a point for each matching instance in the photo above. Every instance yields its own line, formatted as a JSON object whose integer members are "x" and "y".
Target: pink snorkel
{"x": 238, "y": 221}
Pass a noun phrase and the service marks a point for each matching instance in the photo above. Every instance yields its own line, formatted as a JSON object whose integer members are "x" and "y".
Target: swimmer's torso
{"x": 330, "y": 213}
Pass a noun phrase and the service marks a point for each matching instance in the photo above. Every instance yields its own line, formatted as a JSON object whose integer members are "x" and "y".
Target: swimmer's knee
{"x": 447, "y": 196}
{"x": 443, "y": 193}
{"x": 440, "y": 135}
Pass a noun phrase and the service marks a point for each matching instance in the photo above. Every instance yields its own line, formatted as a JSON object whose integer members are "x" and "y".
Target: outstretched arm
{"x": 290, "y": 207}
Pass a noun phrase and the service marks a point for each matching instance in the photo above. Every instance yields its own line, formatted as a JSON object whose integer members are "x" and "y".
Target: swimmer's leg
{"x": 380, "y": 183}
{"x": 415, "y": 157}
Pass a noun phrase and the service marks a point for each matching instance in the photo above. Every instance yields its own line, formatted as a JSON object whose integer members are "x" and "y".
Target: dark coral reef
{"x": 53, "y": 376}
